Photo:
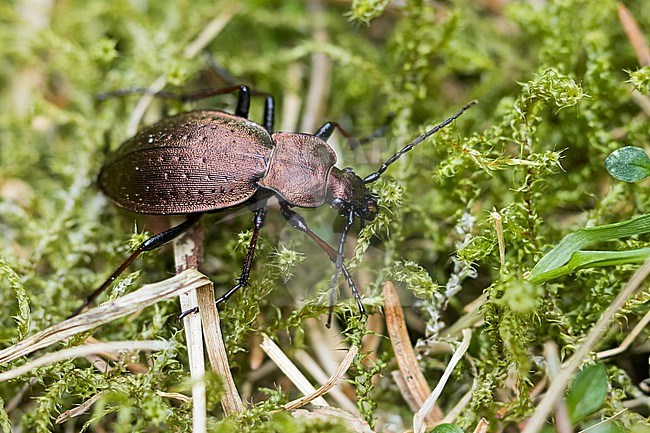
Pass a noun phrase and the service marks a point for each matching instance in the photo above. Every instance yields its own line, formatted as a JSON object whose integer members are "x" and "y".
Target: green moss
{"x": 553, "y": 84}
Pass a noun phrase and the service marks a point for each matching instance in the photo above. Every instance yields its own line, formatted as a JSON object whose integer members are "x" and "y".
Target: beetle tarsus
{"x": 187, "y": 313}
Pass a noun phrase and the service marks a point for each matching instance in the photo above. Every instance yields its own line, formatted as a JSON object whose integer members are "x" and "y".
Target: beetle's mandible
{"x": 206, "y": 161}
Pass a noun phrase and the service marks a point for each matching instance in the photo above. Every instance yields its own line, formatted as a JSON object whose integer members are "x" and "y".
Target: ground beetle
{"x": 207, "y": 161}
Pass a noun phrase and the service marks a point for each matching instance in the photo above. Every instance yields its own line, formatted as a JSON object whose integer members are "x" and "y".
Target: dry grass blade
{"x": 81, "y": 409}
{"x": 343, "y": 368}
{"x": 634, "y": 35}
{"x": 641, "y": 326}
{"x": 84, "y": 350}
{"x": 412, "y": 377}
{"x": 188, "y": 254}
{"x": 289, "y": 369}
{"x": 105, "y": 313}
{"x": 418, "y": 420}
{"x": 482, "y": 426}
{"x": 231, "y": 400}
{"x": 338, "y": 395}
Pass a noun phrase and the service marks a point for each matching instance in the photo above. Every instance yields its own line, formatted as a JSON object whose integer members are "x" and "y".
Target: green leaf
{"x": 610, "y": 427}
{"x": 587, "y": 392}
{"x": 592, "y": 259}
{"x": 561, "y": 254}
{"x": 630, "y": 164}
{"x": 447, "y": 428}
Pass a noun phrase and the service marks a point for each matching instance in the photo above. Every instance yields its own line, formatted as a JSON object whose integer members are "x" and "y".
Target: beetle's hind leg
{"x": 155, "y": 241}
{"x": 298, "y": 222}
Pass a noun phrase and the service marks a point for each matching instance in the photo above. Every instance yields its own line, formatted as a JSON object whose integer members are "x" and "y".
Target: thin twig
{"x": 418, "y": 420}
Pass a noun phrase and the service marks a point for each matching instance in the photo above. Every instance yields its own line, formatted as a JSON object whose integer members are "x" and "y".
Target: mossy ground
{"x": 559, "y": 87}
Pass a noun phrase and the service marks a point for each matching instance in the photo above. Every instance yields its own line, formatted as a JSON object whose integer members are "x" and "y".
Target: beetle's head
{"x": 346, "y": 192}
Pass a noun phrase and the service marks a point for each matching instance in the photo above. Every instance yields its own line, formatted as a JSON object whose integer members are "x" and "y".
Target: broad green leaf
{"x": 629, "y": 164}
{"x": 587, "y": 392}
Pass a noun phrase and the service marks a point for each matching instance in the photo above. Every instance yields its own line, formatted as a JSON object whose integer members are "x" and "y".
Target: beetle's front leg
{"x": 298, "y": 222}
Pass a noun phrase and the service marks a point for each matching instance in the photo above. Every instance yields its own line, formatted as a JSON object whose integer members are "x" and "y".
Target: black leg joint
{"x": 243, "y": 102}
{"x": 269, "y": 114}
{"x": 325, "y": 131}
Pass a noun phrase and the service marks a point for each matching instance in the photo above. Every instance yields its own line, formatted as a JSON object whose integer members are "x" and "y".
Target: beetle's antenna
{"x": 372, "y": 177}
{"x": 337, "y": 266}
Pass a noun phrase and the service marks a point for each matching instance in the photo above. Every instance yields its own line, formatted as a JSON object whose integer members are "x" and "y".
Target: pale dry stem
{"x": 231, "y": 401}
{"x": 327, "y": 386}
{"x": 106, "y": 313}
{"x": 274, "y": 352}
{"x": 188, "y": 253}
{"x": 419, "y": 425}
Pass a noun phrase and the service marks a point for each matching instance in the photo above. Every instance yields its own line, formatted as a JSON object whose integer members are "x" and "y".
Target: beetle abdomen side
{"x": 194, "y": 162}
{"x": 299, "y": 168}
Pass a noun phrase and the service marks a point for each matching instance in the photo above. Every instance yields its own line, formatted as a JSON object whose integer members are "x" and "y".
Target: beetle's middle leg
{"x": 298, "y": 222}
{"x": 258, "y": 219}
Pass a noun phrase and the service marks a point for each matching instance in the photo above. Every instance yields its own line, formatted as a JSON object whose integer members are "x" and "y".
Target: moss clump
{"x": 554, "y": 89}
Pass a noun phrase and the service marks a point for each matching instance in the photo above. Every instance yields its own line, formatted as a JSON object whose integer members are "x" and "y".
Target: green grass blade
{"x": 562, "y": 253}
{"x": 591, "y": 259}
